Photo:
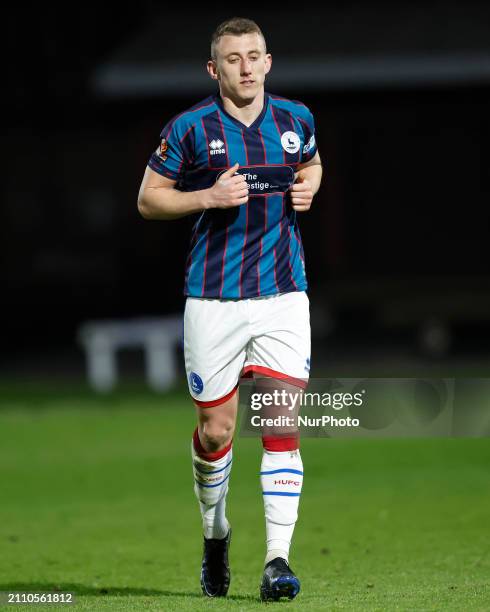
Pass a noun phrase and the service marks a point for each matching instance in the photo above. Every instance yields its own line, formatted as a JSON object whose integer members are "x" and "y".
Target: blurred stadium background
{"x": 397, "y": 249}
{"x": 397, "y": 257}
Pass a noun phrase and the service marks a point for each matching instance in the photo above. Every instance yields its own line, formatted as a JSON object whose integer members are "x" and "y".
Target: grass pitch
{"x": 96, "y": 498}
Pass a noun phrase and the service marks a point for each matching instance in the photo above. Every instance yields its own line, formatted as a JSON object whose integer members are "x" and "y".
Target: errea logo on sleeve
{"x": 216, "y": 147}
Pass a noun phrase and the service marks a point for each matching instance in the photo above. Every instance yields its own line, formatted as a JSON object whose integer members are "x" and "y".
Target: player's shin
{"x": 281, "y": 477}
{"x": 211, "y": 479}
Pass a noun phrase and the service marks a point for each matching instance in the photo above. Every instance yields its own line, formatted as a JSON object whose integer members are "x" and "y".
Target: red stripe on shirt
{"x": 263, "y": 147}
{"x": 289, "y": 260}
{"x": 243, "y": 251}
{"x": 207, "y": 140}
{"x": 245, "y": 147}
{"x": 223, "y": 263}
{"x": 205, "y": 264}
{"x": 224, "y": 138}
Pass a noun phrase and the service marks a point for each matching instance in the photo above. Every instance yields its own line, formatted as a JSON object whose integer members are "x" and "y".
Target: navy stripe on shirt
{"x": 284, "y": 274}
{"x": 255, "y": 222}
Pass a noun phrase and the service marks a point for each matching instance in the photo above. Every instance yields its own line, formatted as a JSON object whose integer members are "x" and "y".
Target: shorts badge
{"x": 195, "y": 383}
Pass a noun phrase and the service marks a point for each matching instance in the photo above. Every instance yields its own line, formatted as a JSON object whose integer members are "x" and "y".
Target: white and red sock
{"x": 211, "y": 479}
{"x": 281, "y": 477}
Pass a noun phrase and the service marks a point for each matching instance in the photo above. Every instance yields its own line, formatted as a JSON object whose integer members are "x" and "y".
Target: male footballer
{"x": 246, "y": 162}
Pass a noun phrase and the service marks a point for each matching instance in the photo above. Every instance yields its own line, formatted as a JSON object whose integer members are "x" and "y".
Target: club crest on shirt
{"x": 163, "y": 149}
{"x": 290, "y": 142}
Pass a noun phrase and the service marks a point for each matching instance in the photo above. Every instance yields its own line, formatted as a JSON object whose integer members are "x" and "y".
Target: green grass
{"x": 96, "y": 498}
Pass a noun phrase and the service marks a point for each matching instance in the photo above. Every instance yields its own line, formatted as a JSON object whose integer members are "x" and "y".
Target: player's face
{"x": 241, "y": 65}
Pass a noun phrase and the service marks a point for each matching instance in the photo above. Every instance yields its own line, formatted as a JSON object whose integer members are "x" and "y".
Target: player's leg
{"x": 212, "y": 459}
{"x": 214, "y": 346}
{"x": 281, "y": 477}
{"x": 280, "y": 351}
{"x": 281, "y": 472}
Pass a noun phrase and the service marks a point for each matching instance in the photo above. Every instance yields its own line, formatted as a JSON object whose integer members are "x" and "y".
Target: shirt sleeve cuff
{"x": 157, "y": 165}
{"x": 310, "y": 155}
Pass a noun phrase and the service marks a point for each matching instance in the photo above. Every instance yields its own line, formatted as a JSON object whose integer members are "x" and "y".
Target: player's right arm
{"x": 159, "y": 199}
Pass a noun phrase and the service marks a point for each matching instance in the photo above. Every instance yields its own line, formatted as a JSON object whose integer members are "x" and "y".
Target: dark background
{"x": 396, "y": 243}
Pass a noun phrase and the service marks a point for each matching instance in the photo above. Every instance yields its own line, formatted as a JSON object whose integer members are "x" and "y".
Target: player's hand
{"x": 301, "y": 194}
{"x": 229, "y": 190}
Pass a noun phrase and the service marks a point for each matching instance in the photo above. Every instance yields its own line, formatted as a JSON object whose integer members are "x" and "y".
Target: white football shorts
{"x": 227, "y": 339}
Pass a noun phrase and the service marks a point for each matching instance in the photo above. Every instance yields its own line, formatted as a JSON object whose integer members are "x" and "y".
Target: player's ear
{"x": 213, "y": 69}
{"x": 268, "y": 62}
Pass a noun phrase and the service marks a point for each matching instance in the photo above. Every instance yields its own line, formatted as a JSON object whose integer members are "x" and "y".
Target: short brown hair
{"x": 236, "y": 26}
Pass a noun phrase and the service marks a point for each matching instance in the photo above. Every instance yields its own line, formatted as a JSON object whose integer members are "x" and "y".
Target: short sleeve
{"x": 309, "y": 147}
{"x": 168, "y": 159}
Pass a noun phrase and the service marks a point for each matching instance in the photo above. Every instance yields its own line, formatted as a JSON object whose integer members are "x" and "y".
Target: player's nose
{"x": 246, "y": 67}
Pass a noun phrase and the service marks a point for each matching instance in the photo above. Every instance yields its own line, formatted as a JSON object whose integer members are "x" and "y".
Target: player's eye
{"x": 254, "y": 57}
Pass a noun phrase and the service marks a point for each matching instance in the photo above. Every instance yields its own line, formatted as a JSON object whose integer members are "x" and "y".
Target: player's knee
{"x": 217, "y": 435}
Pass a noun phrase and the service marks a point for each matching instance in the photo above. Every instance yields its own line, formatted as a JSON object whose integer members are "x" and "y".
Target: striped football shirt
{"x": 254, "y": 249}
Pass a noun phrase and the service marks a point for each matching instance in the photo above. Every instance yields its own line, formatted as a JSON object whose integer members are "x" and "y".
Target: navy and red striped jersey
{"x": 254, "y": 249}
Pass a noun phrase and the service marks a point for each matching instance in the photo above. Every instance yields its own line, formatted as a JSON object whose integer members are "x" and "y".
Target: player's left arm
{"x": 307, "y": 182}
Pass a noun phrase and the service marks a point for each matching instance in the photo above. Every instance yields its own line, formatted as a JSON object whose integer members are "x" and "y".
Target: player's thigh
{"x": 216, "y": 334}
{"x": 282, "y": 345}
{"x": 280, "y": 403}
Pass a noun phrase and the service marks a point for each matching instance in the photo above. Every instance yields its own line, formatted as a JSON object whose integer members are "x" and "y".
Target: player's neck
{"x": 246, "y": 113}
